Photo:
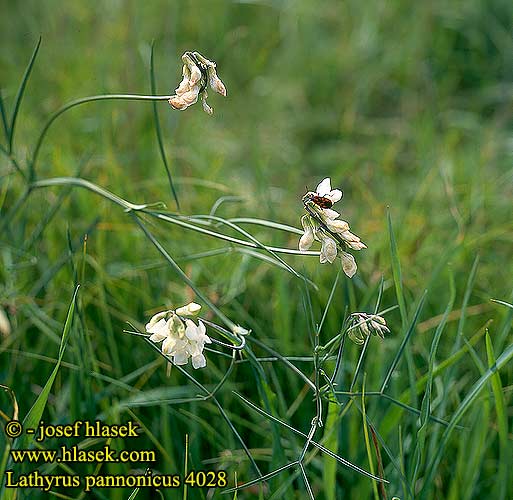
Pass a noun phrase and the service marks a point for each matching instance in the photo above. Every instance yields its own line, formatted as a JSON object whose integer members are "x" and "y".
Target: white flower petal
{"x": 328, "y": 250}
{"x": 154, "y": 320}
{"x": 169, "y": 344}
{"x": 356, "y": 245}
{"x": 335, "y": 195}
{"x": 181, "y": 358}
{"x": 305, "y": 242}
{"x": 192, "y": 332}
{"x": 194, "y": 348}
{"x": 337, "y": 226}
{"x": 348, "y": 264}
{"x": 329, "y": 213}
{"x": 183, "y": 101}
{"x": 349, "y": 236}
{"x": 159, "y": 331}
{"x": 324, "y": 187}
{"x": 203, "y": 333}
{"x": 195, "y": 74}
{"x": 199, "y": 361}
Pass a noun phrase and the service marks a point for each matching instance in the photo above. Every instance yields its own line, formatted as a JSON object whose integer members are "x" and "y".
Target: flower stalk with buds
{"x": 322, "y": 224}
{"x": 197, "y": 73}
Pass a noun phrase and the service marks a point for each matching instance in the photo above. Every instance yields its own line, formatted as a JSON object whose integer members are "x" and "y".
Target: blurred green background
{"x": 406, "y": 105}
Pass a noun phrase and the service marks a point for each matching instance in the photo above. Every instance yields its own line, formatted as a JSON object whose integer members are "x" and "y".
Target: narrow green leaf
{"x": 474, "y": 392}
{"x": 400, "y": 351}
{"x": 19, "y": 95}
{"x": 426, "y": 401}
{"x": 396, "y": 270}
{"x": 331, "y": 441}
{"x": 33, "y": 417}
{"x": 367, "y": 441}
{"x": 4, "y": 117}
{"x": 502, "y": 424}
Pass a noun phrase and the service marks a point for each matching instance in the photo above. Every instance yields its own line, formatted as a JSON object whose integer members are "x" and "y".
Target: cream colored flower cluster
{"x": 197, "y": 72}
{"x": 181, "y": 338}
{"x": 323, "y": 224}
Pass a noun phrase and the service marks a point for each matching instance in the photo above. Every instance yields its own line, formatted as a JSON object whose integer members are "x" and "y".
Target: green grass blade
{"x": 158, "y": 129}
{"x": 331, "y": 441}
{"x": 19, "y": 95}
{"x": 4, "y": 117}
{"x": 480, "y": 384}
{"x": 34, "y": 415}
{"x": 367, "y": 441}
{"x": 505, "y": 454}
{"x": 409, "y": 333}
{"x": 466, "y": 298}
{"x": 396, "y": 270}
{"x": 425, "y": 412}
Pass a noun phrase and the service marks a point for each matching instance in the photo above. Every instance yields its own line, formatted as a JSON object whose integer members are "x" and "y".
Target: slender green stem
{"x": 177, "y": 220}
{"x": 14, "y": 162}
{"x": 4, "y": 116}
{"x": 158, "y": 130}
{"x": 78, "y": 102}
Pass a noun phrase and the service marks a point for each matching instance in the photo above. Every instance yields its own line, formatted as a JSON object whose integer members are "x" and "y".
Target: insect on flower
{"x": 322, "y": 224}
{"x": 324, "y": 196}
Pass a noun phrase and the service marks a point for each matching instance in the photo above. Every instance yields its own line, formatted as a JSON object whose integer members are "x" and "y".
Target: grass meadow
{"x": 406, "y": 106}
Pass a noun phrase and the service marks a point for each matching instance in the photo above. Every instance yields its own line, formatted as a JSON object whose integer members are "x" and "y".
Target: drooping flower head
{"x": 322, "y": 224}
{"x": 181, "y": 337}
{"x": 197, "y": 73}
{"x": 363, "y": 325}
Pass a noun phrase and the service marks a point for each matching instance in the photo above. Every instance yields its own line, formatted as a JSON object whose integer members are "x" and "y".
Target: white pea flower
{"x": 181, "y": 338}
{"x": 198, "y": 72}
{"x": 363, "y": 325}
{"x": 323, "y": 224}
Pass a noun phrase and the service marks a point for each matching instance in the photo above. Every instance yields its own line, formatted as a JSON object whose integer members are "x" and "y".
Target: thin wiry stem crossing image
{"x": 299, "y": 289}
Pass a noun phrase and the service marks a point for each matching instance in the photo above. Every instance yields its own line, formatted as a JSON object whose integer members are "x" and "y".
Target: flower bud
{"x": 328, "y": 250}
{"x": 348, "y": 264}
{"x": 240, "y": 330}
{"x": 190, "y": 309}
{"x": 337, "y": 226}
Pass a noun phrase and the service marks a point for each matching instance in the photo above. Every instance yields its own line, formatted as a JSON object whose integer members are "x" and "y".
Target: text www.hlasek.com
{"x": 74, "y": 454}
